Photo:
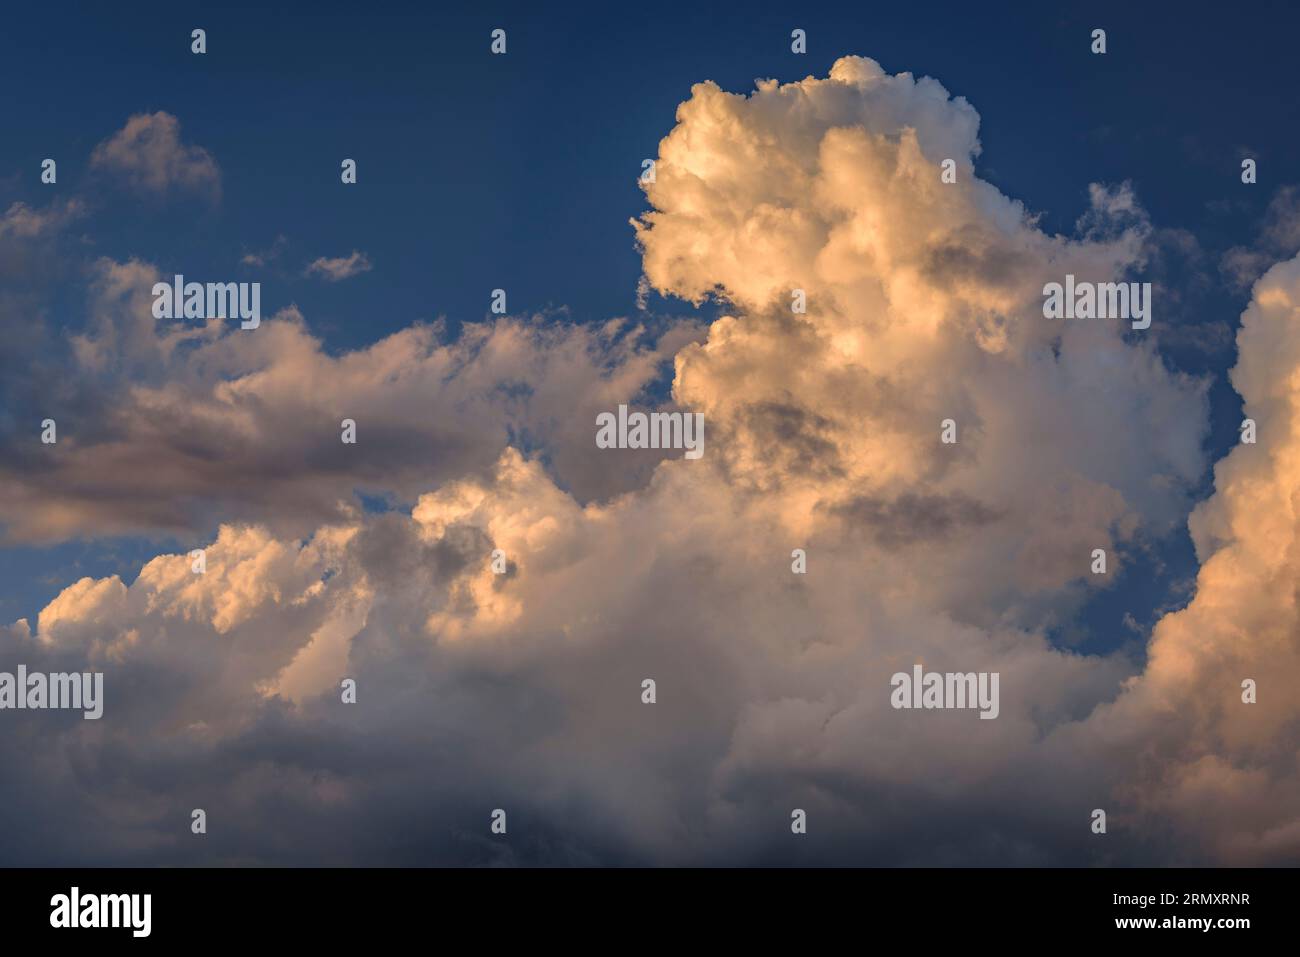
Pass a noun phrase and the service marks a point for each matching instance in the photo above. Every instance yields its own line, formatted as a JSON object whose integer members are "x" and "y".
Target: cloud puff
{"x": 522, "y": 690}
{"x": 148, "y": 153}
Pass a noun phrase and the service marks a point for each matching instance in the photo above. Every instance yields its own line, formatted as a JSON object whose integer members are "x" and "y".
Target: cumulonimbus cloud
{"x": 479, "y": 689}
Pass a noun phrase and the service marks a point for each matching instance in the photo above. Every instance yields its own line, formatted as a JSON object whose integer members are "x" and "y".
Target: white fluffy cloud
{"x": 924, "y": 304}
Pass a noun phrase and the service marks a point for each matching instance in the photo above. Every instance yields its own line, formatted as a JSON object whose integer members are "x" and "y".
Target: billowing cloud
{"x": 148, "y": 153}
{"x": 924, "y": 305}
{"x": 521, "y": 689}
{"x": 171, "y": 427}
{"x": 1222, "y": 772}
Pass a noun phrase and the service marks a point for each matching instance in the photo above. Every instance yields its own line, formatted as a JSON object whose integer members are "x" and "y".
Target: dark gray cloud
{"x": 916, "y": 517}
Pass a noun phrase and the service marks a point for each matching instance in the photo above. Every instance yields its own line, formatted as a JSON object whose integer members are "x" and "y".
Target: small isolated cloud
{"x": 263, "y": 256}
{"x": 149, "y": 154}
{"x": 340, "y": 268}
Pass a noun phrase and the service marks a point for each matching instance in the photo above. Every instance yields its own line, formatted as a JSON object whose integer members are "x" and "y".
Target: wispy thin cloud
{"x": 340, "y": 268}
{"x": 263, "y": 257}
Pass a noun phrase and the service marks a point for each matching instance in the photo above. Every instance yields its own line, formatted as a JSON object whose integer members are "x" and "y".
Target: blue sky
{"x": 520, "y": 171}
